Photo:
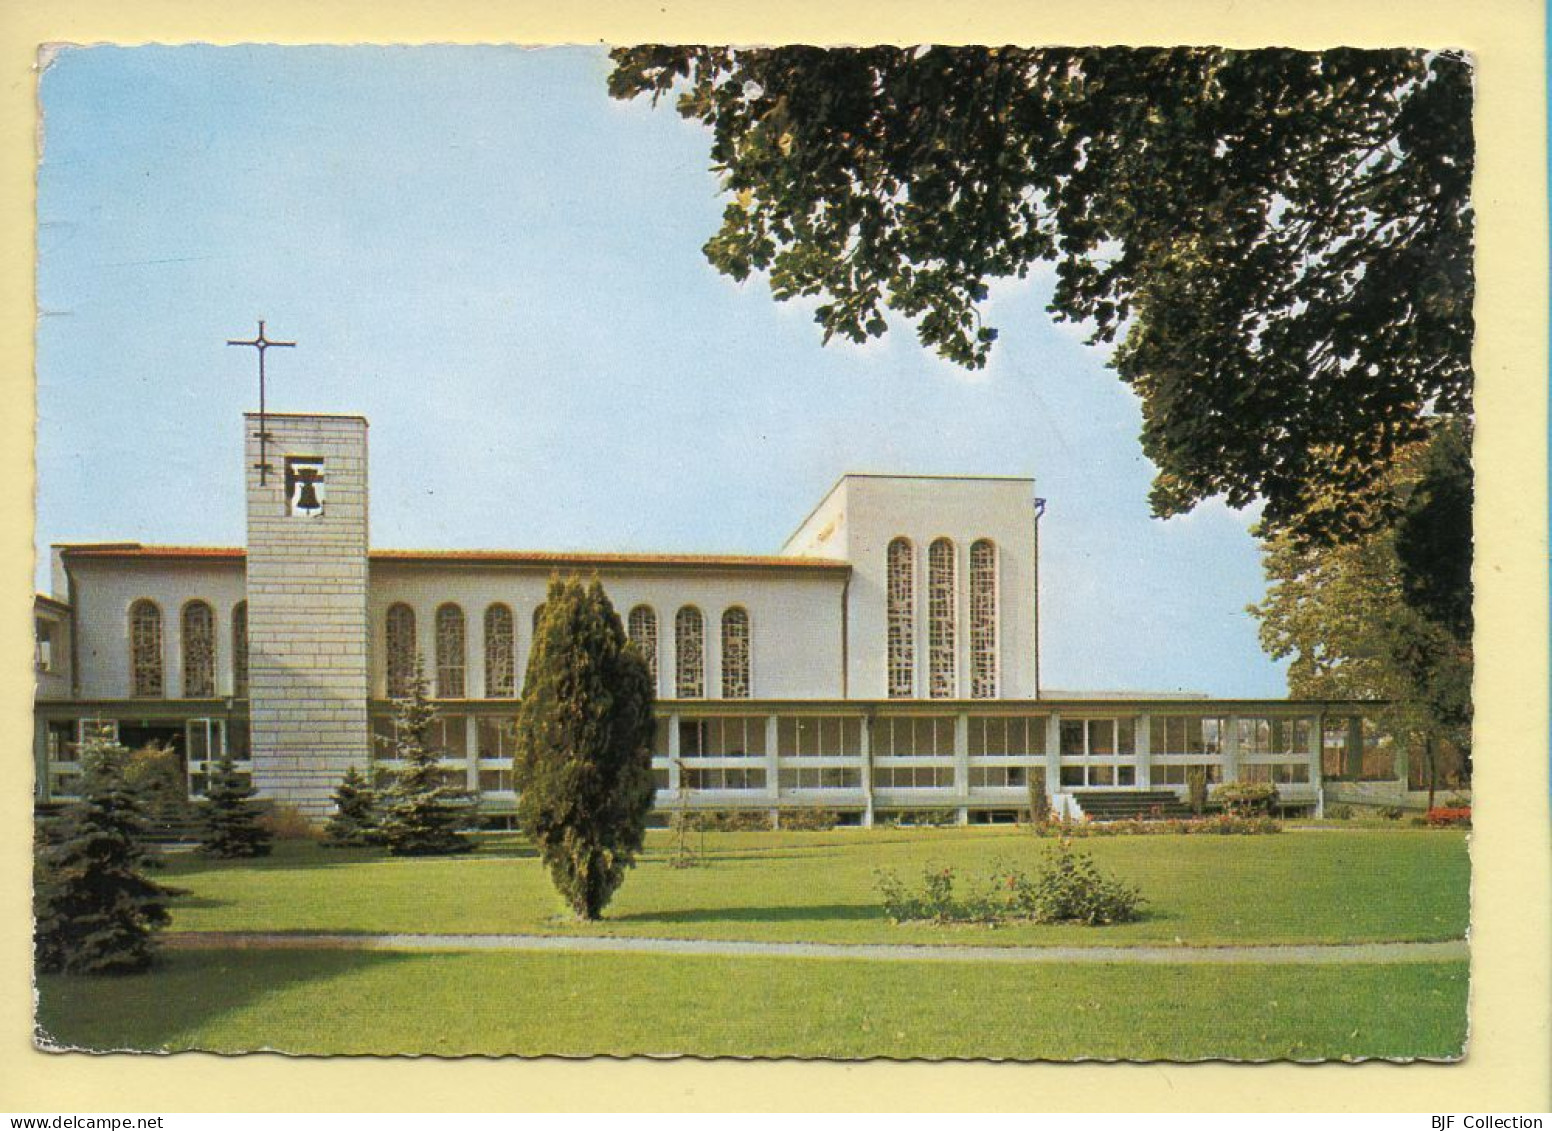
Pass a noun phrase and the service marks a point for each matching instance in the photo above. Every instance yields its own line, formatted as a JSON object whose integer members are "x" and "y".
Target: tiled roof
{"x": 557, "y": 558}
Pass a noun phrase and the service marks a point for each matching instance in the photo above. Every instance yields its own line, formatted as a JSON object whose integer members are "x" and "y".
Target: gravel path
{"x": 1337, "y": 953}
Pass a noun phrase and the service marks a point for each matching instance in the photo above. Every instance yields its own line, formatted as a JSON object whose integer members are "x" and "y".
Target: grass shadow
{"x": 306, "y": 855}
{"x": 165, "y": 1009}
{"x": 825, "y": 912}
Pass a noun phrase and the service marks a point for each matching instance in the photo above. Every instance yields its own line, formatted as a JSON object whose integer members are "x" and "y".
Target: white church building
{"x": 883, "y": 662}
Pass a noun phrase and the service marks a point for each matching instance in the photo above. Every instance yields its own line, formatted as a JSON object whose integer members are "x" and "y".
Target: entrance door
{"x": 205, "y": 742}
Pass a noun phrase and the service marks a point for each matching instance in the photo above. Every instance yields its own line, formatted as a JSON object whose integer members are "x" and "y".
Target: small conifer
{"x": 419, "y": 814}
{"x": 95, "y": 911}
{"x": 354, "y": 823}
{"x": 229, "y": 819}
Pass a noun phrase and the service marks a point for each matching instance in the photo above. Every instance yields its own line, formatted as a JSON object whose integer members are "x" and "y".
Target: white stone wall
{"x": 54, "y": 682}
{"x": 307, "y": 612}
{"x": 794, "y": 617}
{"x": 106, "y": 588}
{"x": 864, "y": 513}
{"x": 823, "y": 534}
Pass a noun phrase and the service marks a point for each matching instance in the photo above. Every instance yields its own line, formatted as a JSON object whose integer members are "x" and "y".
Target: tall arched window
{"x": 941, "y": 632}
{"x": 240, "y": 649}
{"x": 902, "y": 619}
{"x": 500, "y": 653}
{"x": 690, "y": 653}
{"x": 450, "y": 652}
{"x": 399, "y": 640}
{"x": 641, "y": 627}
{"x": 198, "y": 634}
{"x": 735, "y": 654}
{"x": 145, "y": 650}
{"x": 983, "y": 620}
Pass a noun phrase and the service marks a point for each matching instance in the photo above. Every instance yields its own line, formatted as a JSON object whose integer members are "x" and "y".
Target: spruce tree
{"x": 229, "y": 819}
{"x": 583, "y": 765}
{"x": 354, "y": 823}
{"x": 95, "y": 911}
{"x": 421, "y": 815}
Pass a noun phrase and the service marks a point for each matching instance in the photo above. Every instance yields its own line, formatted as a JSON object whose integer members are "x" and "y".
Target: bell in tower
{"x": 304, "y": 486}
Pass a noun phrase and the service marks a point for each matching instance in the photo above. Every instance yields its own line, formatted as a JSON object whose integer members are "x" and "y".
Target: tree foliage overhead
{"x": 1378, "y": 618}
{"x": 1278, "y": 242}
{"x": 583, "y": 764}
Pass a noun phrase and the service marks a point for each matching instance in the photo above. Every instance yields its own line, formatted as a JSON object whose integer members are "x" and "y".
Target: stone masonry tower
{"x": 307, "y": 605}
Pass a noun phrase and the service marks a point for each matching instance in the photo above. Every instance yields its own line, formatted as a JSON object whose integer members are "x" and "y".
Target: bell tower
{"x": 307, "y": 603}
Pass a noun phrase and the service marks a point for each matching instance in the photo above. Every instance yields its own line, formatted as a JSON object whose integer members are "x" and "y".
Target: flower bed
{"x": 1222, "y": 824}
{"x": 1449, "y": 818}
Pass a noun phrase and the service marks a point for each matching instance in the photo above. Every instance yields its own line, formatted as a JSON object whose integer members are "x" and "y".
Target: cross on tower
{"x": 261, "y": 343}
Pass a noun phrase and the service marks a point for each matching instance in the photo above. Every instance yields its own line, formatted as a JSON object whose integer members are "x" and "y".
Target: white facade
{"x": 863, "y": 514}
{"x": 886, "y": 658}
{"x": 794, "y": 613}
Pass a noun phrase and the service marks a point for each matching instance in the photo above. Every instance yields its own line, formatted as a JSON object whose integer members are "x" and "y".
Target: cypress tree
{"x": 228, "y": 816}
{"x": 420, "y": 814}
{"x": 583, "y": 766}
{"x": 354, "y": 823}
{"x": 95, "y": 911}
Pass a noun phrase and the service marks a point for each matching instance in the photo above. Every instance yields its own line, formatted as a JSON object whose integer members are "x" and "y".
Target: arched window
{"x": 641, "y": 627}
{"x": 450, "y": 652}
{"x": 690, "y": 653}
{"x": 399, "y": 640}
{"x": 983, "y": 620}
{"x": 199, "y": 650}
{"x": 145, "y": 650}
{"x": 940, "y": 619}
{"x": 735, "y": 654}
{"x": 240, "y": 649}
{"x": 902, "y": 619}
{"x": 500, "y": 653}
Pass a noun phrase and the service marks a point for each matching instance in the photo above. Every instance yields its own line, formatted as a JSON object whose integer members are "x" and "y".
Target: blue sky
{"x": 499, "y": 266}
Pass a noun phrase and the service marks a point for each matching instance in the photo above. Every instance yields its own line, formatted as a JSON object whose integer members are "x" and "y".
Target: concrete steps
{"x": 1131, "y": 804}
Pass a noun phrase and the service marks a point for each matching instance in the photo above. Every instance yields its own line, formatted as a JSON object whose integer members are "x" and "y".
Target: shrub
{"x": 155, "y": 773}
{"x": 1392, "y": 812}
{"x": 1069, "y": 889}
{"x": 1196, "y": 788}
{"x": 730, "y": 820}
{"x": 95, "y": 911}
{"x": 809, "y": 820}
{"x": 287, "y": 822}
{"x": 1039, "y": 800}
{"x": 924, "y": 818}
{"x": 1246, "y": 797}
{"x": 1220, "y": 824}
{"x": 1448, "y": 818}
{"x": 1339, "y": 812}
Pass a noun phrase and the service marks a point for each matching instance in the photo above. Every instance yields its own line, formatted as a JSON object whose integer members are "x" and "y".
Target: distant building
{"x": 884, "y": 661}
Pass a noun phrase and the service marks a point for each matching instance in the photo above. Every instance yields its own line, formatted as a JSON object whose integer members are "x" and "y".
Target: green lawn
{"x": 530, "y": 1004}
{"x": 1343, "y": 885}
{"x": 1326, "y": 886}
